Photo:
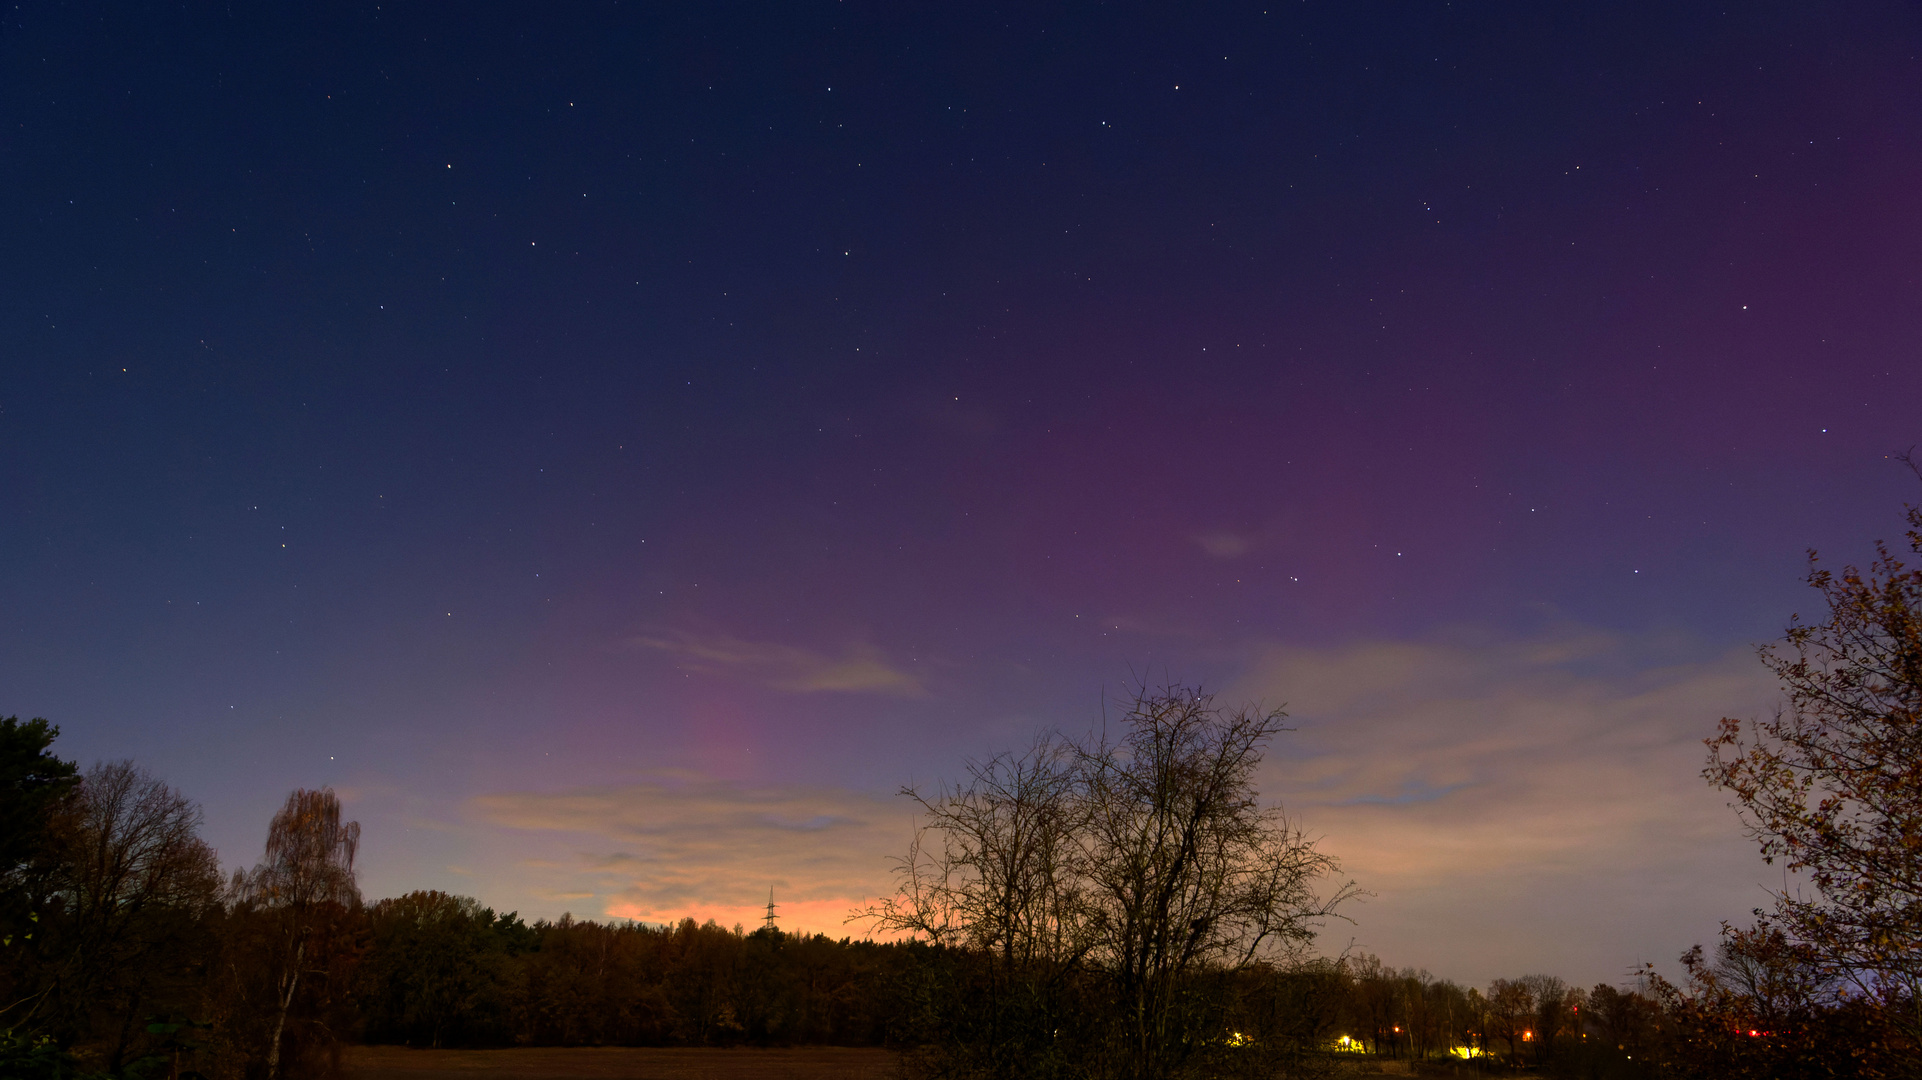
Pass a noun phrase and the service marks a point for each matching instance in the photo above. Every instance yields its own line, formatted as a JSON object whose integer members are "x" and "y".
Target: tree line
{"x": 1121, "y": 905}
{"x": 124, "y": 954}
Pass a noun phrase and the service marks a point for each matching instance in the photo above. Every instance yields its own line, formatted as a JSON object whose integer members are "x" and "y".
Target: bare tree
{"x": 1376, "y": 1000}
{"x": 1511, "y": 1009}
{"x": 1450, "y": 1020}
{"x": 1003, "y": 879}
{"x": 1472, "y": 1023}
{"x": 1001, "y": 883}
{"x": 1140, "y": 863}
{"x": 305, "y": 886}
{"x": 1185, "y": 867}
{"x": 135, "y": 882}
{"x": 1423, "y": 1010}
{"x": 1551, "y": 996}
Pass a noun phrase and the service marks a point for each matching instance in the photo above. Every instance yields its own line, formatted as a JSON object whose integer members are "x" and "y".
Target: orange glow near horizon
{"x": 800, "y": 917}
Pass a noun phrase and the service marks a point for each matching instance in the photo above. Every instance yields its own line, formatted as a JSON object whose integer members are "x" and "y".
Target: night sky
{"x": 617, "y": 445}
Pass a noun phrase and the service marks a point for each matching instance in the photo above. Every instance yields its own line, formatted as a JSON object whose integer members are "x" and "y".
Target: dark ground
{"x": 617, "y": 1063}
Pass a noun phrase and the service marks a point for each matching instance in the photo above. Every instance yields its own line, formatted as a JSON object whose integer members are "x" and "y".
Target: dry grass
{"x": 618, "y": 1063}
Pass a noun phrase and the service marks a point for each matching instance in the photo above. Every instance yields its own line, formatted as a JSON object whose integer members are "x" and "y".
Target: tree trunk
{"x": 280, "y": 1021}
{"x": 119, "y": 1055}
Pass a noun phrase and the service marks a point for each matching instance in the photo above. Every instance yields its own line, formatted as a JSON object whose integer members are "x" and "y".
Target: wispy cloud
{"x": 1514, "y": 805}
{"x": 858, "y": 669}
{"x": 1493, "y": 792}
{"x": 684, "y": 845}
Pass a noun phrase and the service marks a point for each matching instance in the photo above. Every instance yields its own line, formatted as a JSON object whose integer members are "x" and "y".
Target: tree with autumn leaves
{"x": 299, "y": 922}
{"x": 1831, "y": 785}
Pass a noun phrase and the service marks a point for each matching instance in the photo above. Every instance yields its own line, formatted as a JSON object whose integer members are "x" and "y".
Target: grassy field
{"x": 617, "y": 1063}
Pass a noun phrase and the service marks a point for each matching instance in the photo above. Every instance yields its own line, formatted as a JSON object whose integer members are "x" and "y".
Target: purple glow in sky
{"x": 616, "y": 448}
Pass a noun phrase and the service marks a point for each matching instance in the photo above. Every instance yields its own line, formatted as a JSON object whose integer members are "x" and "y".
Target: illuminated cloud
{"x": 860, "y": 669}
{"x": 684, "y": 845}
{"x": 1498, "y": 795}
{"x": 1513, "y": 805}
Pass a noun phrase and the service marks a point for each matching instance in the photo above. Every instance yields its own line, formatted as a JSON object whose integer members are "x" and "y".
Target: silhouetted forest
{"x": 124, "y": 954}
{"x": 442, "y": 970}
{"x": 1122, "y": 906}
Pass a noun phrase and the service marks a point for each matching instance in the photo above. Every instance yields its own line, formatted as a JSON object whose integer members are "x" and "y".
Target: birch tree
{"x": 304, "y": 888}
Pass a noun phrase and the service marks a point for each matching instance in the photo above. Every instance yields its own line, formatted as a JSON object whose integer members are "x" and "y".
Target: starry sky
{"x": 618, "y": 445}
